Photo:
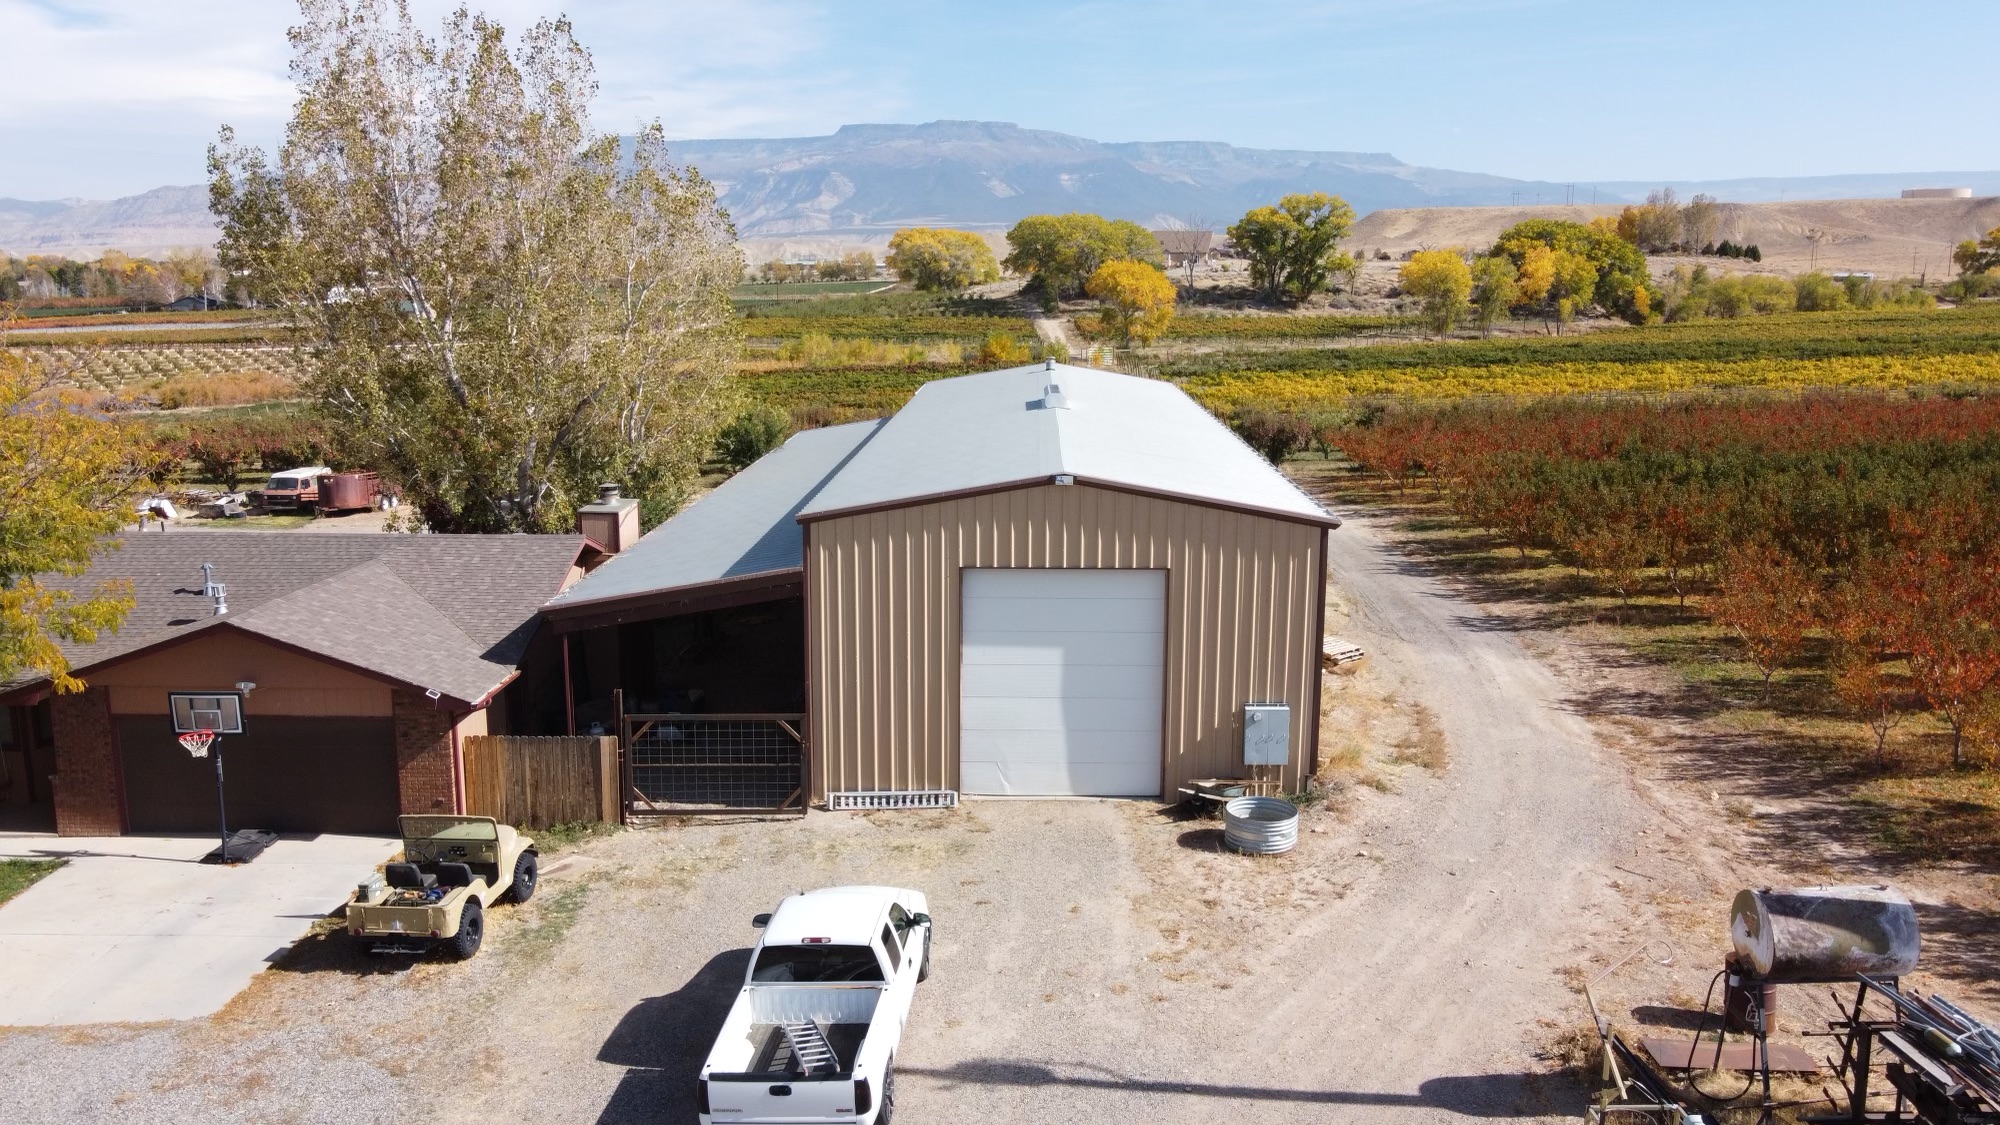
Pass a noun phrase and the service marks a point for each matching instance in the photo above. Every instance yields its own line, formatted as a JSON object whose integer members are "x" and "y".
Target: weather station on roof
{"x": 199, "y": 718}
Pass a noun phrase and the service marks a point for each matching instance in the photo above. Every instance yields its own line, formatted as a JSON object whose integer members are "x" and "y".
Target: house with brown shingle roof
{"x": 373, "y": 656}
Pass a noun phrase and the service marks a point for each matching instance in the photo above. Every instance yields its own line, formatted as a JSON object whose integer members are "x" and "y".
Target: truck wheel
{"x": 924, "y": 968}
{"x": 524, "y": 879}
{"x": 888, "y": 1110}
{"x": 471, "y": 928}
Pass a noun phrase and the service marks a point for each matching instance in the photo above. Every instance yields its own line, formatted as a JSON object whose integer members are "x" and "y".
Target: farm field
{"x": 894, "y": 328}
{"x": 1210, "y": 326}
{"x": 1865, "y": 350}
{"x": 856, "y": 354}
{"x": 805, "y": 290}
{"x": 64, "y": 318}
{"x": 122, "y": 368}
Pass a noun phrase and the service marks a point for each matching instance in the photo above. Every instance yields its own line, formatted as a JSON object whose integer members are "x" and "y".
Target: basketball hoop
{"x": 196, "y": 742}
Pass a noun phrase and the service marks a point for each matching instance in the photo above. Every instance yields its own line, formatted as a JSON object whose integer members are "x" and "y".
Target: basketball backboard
{"x": 219, "y": 711}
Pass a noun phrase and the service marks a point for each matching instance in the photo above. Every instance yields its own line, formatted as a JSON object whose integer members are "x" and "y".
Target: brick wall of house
{"x": 423, "y": 754}
{"x": 87, "y": 776}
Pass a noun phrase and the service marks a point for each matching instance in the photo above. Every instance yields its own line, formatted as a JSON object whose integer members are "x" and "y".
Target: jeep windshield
{"x": 817, "y": 964}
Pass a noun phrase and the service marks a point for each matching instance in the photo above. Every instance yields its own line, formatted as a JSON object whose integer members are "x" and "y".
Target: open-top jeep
{"x": 453, "y": 869}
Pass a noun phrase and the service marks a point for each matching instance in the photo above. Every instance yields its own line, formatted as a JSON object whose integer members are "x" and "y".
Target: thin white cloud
{"x": 753, "y": 67}
{"x": 139, "y": 75}
{"x": 83, "y": 58}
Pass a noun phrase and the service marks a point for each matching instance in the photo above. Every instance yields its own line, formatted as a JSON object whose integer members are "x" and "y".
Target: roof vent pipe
{"x": 210, "y": 588}
{"x": 1049, "y": 364}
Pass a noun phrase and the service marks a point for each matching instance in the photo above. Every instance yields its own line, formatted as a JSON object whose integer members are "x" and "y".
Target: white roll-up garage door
{"x": 1061, "y": 683}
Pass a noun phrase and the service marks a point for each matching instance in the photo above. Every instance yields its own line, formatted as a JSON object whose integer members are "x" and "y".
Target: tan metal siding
{"x": 883, "y": 597}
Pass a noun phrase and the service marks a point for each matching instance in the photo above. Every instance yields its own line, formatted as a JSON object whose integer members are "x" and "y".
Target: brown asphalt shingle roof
{"x": 449, "y": 613}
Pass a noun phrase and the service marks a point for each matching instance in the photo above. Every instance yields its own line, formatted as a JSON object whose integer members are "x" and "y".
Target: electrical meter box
{"x": 1267, "y": 734}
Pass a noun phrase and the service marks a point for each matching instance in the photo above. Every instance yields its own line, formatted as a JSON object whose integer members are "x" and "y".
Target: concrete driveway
{"x": 135, "y": 929}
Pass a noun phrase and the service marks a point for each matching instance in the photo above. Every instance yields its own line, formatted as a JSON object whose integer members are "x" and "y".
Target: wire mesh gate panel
{"x": 715, "y": 763}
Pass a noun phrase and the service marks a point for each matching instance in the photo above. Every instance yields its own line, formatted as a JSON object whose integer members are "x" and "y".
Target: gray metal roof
{"x": 983, "y": 431}
{"x": 451, "y": 613}
{"x": 746, "y": 526}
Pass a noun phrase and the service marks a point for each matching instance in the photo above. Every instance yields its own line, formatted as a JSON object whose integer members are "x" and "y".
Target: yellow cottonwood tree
{"x": 940, "y": 258}
{"x": 1442, "y": 281}
{"x": 65, "y": 476}
{"x": 1138, "y": 299}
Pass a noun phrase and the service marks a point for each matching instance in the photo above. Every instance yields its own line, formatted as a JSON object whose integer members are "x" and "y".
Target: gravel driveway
{"x": 1095, "y": 961}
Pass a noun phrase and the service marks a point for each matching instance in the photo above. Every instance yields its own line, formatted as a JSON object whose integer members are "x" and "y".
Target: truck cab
{"x": 813, "y": 1034}
{"x": 294, "y": 489}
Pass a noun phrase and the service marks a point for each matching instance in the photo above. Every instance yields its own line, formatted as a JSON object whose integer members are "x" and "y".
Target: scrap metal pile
{"x": 1942, "y": 1063}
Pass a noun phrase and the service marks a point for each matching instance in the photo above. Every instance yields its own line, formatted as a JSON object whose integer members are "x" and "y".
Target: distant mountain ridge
{"x": 863, "y": 181}
{"x": 875, "y": 178}
{"x": 151, "y": 223}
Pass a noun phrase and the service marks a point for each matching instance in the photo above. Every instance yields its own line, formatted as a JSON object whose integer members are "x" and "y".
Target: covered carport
{"x": 691, "y": 644}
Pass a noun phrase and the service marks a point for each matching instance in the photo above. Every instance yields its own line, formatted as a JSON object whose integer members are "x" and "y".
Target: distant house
{"x": 372, "y": 656}
{"x": 1184, "y": 246}
{"x": 197, "y": 303}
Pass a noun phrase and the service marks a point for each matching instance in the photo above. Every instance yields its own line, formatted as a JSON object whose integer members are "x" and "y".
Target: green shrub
{"x": 750, "y": 435}
{"x": 1819, "y": 293}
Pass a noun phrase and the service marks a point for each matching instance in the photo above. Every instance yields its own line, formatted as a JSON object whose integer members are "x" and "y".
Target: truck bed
{"x": 771, "y": 1052}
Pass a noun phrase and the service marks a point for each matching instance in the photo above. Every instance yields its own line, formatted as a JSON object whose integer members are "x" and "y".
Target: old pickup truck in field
{"x": 812, "y": 1037}
{"x": 453, "y": 869}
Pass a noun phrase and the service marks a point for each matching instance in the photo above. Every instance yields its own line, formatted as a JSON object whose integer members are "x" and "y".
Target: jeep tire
{"x": 525, "y": 873}
{"x": 471, "y": 930}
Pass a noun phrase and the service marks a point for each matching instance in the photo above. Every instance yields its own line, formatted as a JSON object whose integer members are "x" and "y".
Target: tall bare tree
{"x": 1699, "y": 220}
{"x": 502, "y": 307}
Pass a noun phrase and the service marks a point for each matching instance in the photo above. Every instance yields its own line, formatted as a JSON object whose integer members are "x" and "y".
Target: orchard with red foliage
{"x": 1872, "y": 521}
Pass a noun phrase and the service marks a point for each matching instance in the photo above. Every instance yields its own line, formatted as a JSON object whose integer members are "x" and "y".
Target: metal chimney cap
{"x": 608, "y": 491}
{"x": 1049, "y": 364}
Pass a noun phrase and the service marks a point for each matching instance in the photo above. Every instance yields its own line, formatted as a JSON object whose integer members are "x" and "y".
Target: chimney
{"x": 612, "y": 523}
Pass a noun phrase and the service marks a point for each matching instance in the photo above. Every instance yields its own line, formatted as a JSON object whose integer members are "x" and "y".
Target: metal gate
{"x": 678, "y": 764}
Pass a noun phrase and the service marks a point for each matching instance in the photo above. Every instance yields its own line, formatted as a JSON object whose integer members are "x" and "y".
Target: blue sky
{"x": 111, "y": 97}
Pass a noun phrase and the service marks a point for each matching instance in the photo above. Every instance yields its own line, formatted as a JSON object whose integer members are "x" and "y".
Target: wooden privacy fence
{"x": 535, "y": 782}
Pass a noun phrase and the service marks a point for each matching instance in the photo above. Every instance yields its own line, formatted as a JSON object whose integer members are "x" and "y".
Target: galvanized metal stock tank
{"x": 1824, "y": 934}
{"x": 1260, "y": 825}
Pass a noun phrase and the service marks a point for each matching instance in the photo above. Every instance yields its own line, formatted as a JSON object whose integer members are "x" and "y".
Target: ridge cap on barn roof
{"x": 1000, "y": 429}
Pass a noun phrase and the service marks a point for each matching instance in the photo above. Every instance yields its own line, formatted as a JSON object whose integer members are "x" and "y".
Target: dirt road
{"x": 1056, "y": 330}
{"x": 1491, "y": 881}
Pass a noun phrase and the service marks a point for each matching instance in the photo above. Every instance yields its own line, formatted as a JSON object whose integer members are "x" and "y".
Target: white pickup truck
{"x": 812, "y": 1037}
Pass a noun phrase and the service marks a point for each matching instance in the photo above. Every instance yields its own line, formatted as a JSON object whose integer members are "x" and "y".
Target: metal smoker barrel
{"x": 1824, "y": 934}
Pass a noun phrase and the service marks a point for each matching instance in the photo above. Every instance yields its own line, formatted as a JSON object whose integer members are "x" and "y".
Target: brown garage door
{"x": 285, "y": 775}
